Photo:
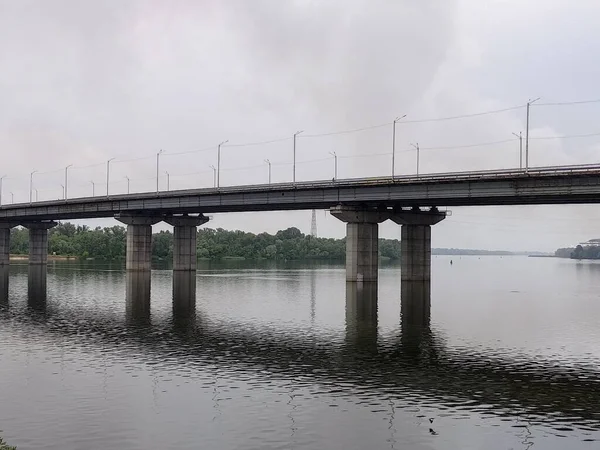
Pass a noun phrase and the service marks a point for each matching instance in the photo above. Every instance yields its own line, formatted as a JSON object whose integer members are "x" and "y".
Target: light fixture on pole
{"x": 520, "y": 137}
{"x": 93, "y": 188}
{"x": 127, "y": 178}
{"x": 334, "y": 165}
{"x": 67, "y": 180}
{"x": 157, "y": 165}
{"x": 214, "y": 175}
{"x": 527, "y": 134}
{"x": 108, "y": 174}
{"x": 1, "y": 178}
{"x": 269, "y": 163}
{"x": 396, "y": 120}
{"x": 294, "y": 166}
{"x": 219, "y": 162}
{"x": 168, "y": 181}
{"x": 31, "y": 186}
{"x": 416, "y": 146}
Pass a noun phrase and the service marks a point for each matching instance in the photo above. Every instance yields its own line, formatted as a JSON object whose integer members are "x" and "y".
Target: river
{"x": 268, "y": 356}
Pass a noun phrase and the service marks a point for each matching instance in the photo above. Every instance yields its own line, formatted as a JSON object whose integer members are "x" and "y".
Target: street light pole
{"x": 93, "y": 188}
{"x": 294, "y": 167}
{"x": 66, "y": 180}
{"x": 214, "y": 176}
{"x": 269, "y": 163}
{"x": 157, "y": 165}
{"x": 168, "y": 181}
{"x": 334, "y": 165}
{"x": 31, "y": 186}
{"x": 36, "y": 195}
{"x": 396, "y": 120}
{"x": 127, "y": 183}
{"x": 12, "y": 198}
{"x": 416, "y": 146}
{"x": 108, "y": 174}
{"x": 520, "y": 137}
{"x": 527, "y": 135}
{"x": 1, "y": 178}
{"x": 219, "y": 162}
{"x": 63, "y": 189}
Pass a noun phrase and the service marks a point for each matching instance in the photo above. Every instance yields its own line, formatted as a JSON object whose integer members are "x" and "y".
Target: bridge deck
{"x": 545, "y": 185}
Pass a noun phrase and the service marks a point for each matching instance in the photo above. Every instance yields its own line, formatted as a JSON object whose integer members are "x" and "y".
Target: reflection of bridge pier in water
{"x": 36, "y": 286}
{"x": 184, "y": 298}
{"x": 137, "y": 302}
{"x": 361, "y": 315}
{"x": 4, "y": 271}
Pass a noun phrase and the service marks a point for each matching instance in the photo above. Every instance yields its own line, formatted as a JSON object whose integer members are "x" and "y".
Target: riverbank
{"x": 50, "y": 258}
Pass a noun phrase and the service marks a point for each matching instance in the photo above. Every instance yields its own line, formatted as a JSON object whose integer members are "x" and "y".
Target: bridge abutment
{"x": 184, "y": 240}
{"x": 38, "y": 241}
{"x": 362, "y": 248}
{"x": 139, "y": 241}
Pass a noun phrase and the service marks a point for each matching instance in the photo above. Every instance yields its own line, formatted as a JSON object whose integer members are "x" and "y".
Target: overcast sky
{"x": 85, "y": 81}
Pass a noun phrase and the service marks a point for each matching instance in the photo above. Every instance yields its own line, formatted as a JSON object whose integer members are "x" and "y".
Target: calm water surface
{"x": 288, "y": 357}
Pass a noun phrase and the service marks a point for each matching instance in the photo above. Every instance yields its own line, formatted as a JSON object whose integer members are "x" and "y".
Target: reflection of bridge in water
{"x": 415, "y": 367}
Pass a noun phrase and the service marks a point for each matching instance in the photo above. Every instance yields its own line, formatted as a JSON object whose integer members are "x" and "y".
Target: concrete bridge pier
{"x": 38, "y": 241}
{"x": 139, "y": 241}
{"x": 415, "y": 243}
{"x": 5, "y": 243}
{"x": 184, "y": 240}
{"x": 362, "y": 233}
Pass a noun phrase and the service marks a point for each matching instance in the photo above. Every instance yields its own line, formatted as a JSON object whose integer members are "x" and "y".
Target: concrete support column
{"x": 416, "y": 242}
{"x": 5, "y": 243}
{"x": 38, "y": 241}
{"x": 362, "y": 233}
{"x": 139, "y": 241}
{"x": 184, "y": 240}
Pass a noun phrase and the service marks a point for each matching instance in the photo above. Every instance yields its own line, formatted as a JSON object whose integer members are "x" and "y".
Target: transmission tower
{"x": 313, "y": 224}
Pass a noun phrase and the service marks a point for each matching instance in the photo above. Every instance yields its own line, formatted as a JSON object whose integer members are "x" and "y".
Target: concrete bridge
{"x": 410, "y": 201}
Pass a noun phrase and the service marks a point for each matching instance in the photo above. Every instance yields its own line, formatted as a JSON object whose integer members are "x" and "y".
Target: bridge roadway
{"x": 415, "y": 368}
{"x": 540, "y": 186}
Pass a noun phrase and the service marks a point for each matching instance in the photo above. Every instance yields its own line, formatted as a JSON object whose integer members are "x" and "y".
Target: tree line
{"x": 109, "y": 243}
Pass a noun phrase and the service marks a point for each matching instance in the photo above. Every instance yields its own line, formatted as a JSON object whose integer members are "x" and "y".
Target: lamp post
{"x": 63, "y": 189}
{"x": 168, "y": 181}
{"x": 93, "y": 188}
{"x": 219, "y": 162}
{"x": 1, "y": 178}
{"x": 157, "y": 166}
{"x": 214, "y": 176}
{"x": 334, "y": 165}
{"x": 294, "y": 167}
{"x": 269, "y": 163}
{"x": 527, "y": 134}
{"x": 12, "y": 198}
{"x": 520, "y": 137}
{"x": 31, "y": 186}
{"x": 36, "y": 195}
{"x": 127, "y": 178}
{"x": 108, "y": 174}
{"x": 66, "y": 180}
{"x": 396, "y": 120}
{"x": 416, "y": 146}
